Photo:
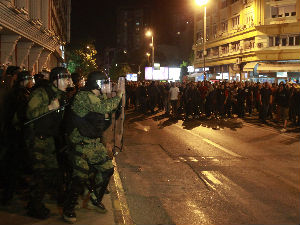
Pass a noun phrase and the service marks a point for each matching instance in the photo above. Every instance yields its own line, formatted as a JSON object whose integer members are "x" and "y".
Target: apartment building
{"x": 131, "y": 24}
{"x": 33, "y": 33}
{"x": 249, "y": 39}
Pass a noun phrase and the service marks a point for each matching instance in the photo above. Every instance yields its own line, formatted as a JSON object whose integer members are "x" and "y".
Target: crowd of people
{"x": 51, "y": 129}
{"x": 277, "y": 102}
{"x": 52, "y": 124}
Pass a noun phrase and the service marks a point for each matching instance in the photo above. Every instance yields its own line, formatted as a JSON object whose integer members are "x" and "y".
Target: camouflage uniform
{"x": 42, "y": 149}
{"x": 91, "y": 164}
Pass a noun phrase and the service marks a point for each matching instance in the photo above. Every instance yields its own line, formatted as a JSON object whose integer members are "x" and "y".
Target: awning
{"x": 249, "y": 66}
{"x": 278, "y": 67}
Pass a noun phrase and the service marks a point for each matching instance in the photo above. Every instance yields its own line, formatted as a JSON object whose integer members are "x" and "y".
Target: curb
{"x": 119, "y": 202}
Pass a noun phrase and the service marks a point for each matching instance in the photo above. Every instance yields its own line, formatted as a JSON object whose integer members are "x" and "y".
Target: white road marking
{"x": 213, "y": 143}
{"x": 221, "y": 148}
{"x": 208, "y": 175}
{"x": 292, "y": 184}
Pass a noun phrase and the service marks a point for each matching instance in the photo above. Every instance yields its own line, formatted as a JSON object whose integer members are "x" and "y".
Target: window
{"x": 235, "y": 46}
{"x": 236, "y": 21}
{"x": 271, "y": 41}
{"x": 200, "y": 54}
{"x": 224, "y": 26}
{"x": 277, "y": 41}
{"x": 249, "y": 20}
{"x": 215, "y": 51}
{"x": 283, "y": 11}
{"x": 283, "y": 42}
{"x": 297, "y": 40}
{"x": 225, "y": 49}
{"x": 249, "y": 43}
{"x": 291, "y": 41}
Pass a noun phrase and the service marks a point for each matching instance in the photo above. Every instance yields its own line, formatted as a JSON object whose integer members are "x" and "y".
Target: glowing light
{"x": 149, "y": 33}
{"x": 201, "y": 2}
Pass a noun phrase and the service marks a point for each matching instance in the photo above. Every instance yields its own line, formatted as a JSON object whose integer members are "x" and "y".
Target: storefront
{"x": 272, "y": 72}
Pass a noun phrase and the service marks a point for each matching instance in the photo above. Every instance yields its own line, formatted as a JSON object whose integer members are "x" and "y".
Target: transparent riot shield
{"x": 119, "y": 120}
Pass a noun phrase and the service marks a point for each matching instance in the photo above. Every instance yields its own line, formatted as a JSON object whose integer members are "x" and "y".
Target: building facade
{"x": 249, "y": 39}
{"x": 33, "y": 33}
{"x": 131, "y": 24}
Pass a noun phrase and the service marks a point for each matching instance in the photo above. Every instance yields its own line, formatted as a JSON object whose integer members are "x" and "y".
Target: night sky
{"x": 96, "y": 19}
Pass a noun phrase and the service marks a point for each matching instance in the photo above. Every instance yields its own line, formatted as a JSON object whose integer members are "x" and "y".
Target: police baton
{"x": 45, "y": 114}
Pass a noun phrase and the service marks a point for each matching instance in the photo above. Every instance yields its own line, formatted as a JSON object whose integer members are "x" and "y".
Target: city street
{"x": 209, "y": 172}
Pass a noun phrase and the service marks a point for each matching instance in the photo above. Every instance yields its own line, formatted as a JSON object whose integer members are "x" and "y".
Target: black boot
{"x": 75, "y": 190}
{"x": 96, "y": 204}
{"x": 37, "y": 210}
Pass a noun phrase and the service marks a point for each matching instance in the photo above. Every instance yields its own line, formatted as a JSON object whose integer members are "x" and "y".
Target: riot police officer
{"x": 42, "y": 144}
{"x": 15, "y": 157}
{"x": 92, "y": 167}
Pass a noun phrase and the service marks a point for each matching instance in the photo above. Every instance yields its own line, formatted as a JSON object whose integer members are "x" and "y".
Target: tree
{"x": 82, "y": 59}
{"x": 119, "y": 70}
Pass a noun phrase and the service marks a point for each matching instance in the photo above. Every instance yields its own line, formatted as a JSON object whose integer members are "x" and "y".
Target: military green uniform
{"x": 41, "y": 146}
{"x": 92, "y": 166}
{"x": 91, "y": 150}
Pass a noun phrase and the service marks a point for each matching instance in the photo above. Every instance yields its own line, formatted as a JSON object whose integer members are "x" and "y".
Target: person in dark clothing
{"x": 165, "y": 97}
{"x": 141, "y": 94}
{"x": 228, "y": 100}
{"x": 282, "y": 100}
{"x": 153, "y": 96}
{"x": 221, "y": 100}
{"x": 241, "y": 97}
{"x": 265, "y": 101}
{"x": 10, "y": 77}
{"x": 188, "y": 100}
{"x": 16, "y": 157}
{"x": 294, "y": 103}
{"x": 249, "y": 97}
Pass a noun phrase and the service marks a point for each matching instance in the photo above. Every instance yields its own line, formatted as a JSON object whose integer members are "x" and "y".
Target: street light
{"x": 148, "y": 55}
{"x": 150, "y": 34}
{"x": 203, "y": 3}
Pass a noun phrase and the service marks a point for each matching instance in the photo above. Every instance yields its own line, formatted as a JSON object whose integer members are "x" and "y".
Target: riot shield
{"x": 112, "y": 138}
{"x": 119, "y": 119}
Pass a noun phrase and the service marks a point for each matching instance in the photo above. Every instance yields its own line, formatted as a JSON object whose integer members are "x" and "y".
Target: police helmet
{"x": 96, "y": 80}
{"x": 24, "y": 75}
{"x": 76, "y": 77}
{"x": 12, "y": 70}
{"x": 59, "y": 73}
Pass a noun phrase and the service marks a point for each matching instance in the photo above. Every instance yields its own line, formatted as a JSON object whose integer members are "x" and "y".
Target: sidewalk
{"x": 15, "y": 213}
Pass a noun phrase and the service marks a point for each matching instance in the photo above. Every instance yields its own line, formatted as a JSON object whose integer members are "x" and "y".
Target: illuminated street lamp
{"x": 203, "y": 3}
{"x": 150, "y": 34}
{"x": 148, "y": 55}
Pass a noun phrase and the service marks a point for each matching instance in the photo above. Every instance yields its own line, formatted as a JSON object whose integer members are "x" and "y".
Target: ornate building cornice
{"x": 17, "y": 23}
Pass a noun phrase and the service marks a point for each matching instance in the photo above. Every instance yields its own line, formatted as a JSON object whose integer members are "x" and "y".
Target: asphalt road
{"x": 209, "y": 172}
